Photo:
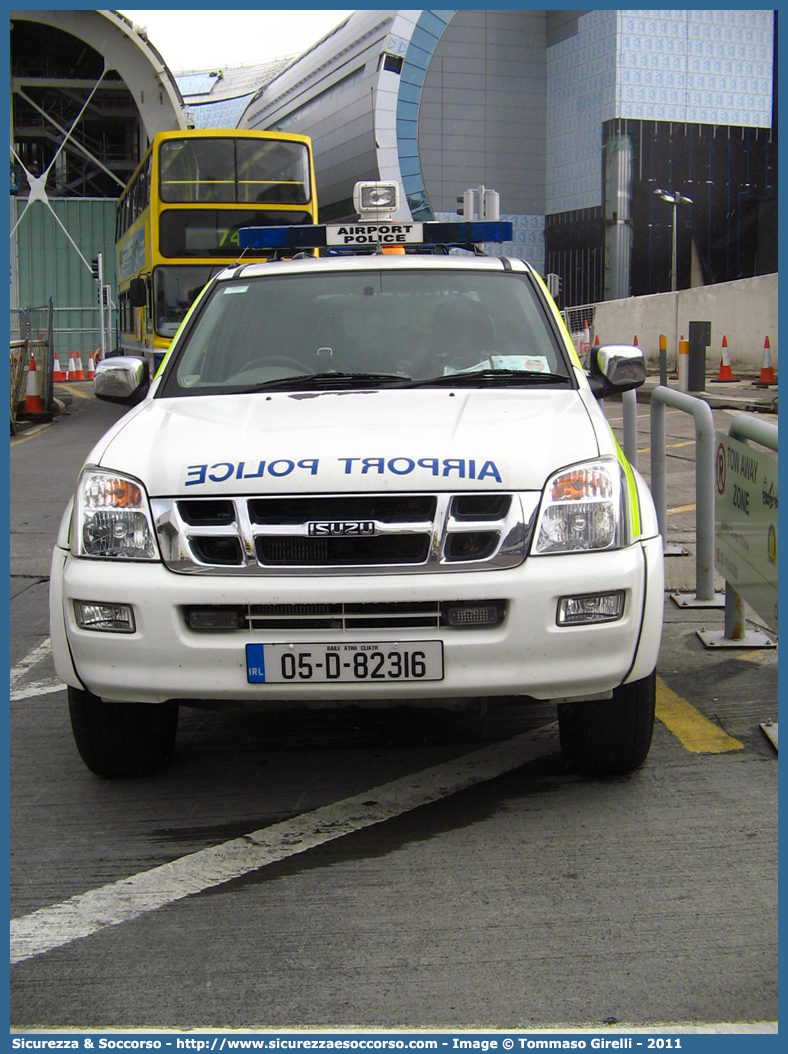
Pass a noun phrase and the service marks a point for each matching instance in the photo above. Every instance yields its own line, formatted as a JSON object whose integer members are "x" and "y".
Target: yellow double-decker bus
{"x": 177, "y": 220}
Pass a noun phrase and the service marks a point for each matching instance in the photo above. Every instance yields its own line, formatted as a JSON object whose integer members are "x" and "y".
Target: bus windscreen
{"x": 206, "y": 171}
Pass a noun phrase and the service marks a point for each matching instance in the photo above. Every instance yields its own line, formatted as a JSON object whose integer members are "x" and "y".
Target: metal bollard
{"x": 683, "y": 365}
{"x": 663, "y": 360}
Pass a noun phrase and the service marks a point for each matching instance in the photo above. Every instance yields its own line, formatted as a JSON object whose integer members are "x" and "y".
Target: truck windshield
{"x": 344, "y": 327}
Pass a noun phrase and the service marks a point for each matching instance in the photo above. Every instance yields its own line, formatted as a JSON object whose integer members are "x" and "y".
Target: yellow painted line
{"x": 620, "y": 417}
{"x": 758, "y": 658}
{"x": 80, "y": 390}
{"x": 694, "y": 731}
{"x": 29, "y": 433}
{"x": 681, "y": 508}
{"x": 669, "y": 446}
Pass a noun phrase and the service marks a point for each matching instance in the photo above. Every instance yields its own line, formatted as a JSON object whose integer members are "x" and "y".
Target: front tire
{"x": 121, "y": 740}
{"x": 609, "y": 737}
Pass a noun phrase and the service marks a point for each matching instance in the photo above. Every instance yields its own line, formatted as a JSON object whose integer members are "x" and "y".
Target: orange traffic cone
{"x": 75, "y": 371}
{"x": 91, "y": 367}
{"x": 725, "y": 374}
{"x": 33, "y": 404}
{"x": 767, "y": 370}
{"x": 57, "y": 373}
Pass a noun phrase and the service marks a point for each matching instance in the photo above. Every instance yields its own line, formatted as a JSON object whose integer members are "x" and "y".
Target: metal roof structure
{"x": 217, "y": 98}
{"x": 87, "y": 92}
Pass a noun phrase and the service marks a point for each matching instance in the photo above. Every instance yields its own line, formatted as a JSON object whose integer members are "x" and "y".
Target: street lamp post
{"x": 675, "y": 199}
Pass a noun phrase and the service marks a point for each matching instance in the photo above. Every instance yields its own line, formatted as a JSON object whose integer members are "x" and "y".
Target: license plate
{"x": 320, "y": 663}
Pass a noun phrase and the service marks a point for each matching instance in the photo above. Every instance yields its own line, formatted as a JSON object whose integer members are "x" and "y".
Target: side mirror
{"x": 121, "y": 379}
{"x": 616, "y": 368}
{"x": 138, "y": 292}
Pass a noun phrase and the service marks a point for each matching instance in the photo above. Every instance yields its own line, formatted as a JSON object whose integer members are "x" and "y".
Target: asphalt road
{"x": 406, "y": 871}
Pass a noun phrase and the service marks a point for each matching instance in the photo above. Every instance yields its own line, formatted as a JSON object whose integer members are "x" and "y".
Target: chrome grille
{"x": 339, "y": 534}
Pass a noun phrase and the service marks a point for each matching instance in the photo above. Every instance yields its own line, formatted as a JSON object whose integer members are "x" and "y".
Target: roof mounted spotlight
{"x": 376, "y": 200}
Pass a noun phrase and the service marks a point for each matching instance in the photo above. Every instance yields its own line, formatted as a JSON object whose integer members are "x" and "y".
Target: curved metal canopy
{"x": 124, "y": 49}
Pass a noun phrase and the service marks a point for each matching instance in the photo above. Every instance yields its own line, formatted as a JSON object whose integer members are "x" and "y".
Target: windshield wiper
{"x": 485, "y": 377}
{"x": 327, "y": 381}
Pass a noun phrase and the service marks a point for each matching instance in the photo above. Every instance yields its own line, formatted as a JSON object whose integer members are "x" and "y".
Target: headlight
{"x": 583, "y": 510}
{"x": 112, "y": 518}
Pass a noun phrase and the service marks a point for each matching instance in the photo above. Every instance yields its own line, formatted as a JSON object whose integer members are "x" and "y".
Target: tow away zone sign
{"x": 746, "y": 524}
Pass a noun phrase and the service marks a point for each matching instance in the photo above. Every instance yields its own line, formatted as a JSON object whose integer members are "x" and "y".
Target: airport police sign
{"x": 388, "y": 233}
{"x": 746, "y": 524}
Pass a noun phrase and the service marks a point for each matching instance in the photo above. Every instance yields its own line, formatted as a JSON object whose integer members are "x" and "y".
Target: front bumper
{"x": 527, "y": 654}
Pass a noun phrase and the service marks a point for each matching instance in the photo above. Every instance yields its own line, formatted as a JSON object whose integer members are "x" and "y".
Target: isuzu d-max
{"x": 365, "y": 477}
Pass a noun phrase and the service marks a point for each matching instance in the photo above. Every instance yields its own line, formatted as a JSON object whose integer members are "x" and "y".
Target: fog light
{"x": 484, "y": 613}
{"x": 106, "y": 618}
{"x": 590, "y": 607}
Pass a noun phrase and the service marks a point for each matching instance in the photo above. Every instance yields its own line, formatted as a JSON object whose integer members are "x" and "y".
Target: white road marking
{"x": 36, "y": 688}
{"x": 41, "y": 651}
{"x": 129, "y": 898}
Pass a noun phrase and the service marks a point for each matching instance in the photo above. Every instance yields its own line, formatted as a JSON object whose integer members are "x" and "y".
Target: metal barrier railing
{"x": 742, "y": 427}
{"x": 36, "y": 341}
{"x": 19, "y": 355}
{"x": 704, "y": 485}
{"x": 74, "y": 329}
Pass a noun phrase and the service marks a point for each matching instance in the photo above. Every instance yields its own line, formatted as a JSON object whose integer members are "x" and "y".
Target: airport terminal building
{"x": 576, "y": 118}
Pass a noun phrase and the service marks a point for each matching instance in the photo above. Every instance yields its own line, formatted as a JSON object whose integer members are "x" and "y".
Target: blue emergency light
{"x": 308, "y": 237}
{"x": 371, "y": 235}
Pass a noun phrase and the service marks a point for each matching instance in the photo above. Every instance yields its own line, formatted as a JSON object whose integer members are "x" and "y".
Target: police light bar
{"x": 371, "y": 235}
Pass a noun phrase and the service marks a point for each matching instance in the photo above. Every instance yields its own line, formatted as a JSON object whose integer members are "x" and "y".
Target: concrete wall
{"x": 745, "y": 312}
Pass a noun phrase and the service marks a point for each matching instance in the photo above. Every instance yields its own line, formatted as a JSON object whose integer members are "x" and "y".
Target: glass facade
{"x": 576, "y": 118}
{"x": 428, "y": 31}
{"x": 728, "y": 232}
{"x": 731, "y": 176}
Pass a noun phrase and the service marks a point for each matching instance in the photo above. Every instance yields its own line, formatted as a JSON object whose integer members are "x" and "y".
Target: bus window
{"x": 175, "y": 289}
{"x": 178, "y": 219}
{"x": 273, "y": 172}
{"x": 201, "y": 170}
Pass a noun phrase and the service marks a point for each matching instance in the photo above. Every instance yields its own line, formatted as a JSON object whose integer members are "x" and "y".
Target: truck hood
{"x": 354, "y": 441}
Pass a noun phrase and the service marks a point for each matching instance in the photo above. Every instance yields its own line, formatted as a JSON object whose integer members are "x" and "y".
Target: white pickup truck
{"x": 371, "y": 478}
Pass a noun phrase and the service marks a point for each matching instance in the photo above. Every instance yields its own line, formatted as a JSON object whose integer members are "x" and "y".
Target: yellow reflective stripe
{"x": 632, "y": 490}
